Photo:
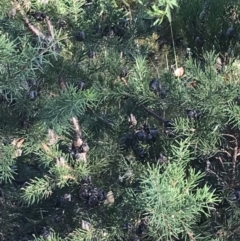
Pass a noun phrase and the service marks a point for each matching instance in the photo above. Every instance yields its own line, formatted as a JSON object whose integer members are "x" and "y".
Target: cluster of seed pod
{"x": 116, "y": 29}
{"x": 39, "y": 16}
{"x": 137, "y": 229}
{"x": 145, "y": 135}
{"x": 46, "y": 233}
{"x": 123, "y": 74}
{"x": 80, "y": 85}
{"x": 235, "y": 195}
{"x": 80, "y": 36}
{"x": 90, "y": 194}
{"x": 91, "y": 54}
{"x": 193, "y": 114}
{"x": 33, "y": 89}
{"x": 169, "y": 128}
{"x": 157, "y": 88}
{"x": 62, "y": 200}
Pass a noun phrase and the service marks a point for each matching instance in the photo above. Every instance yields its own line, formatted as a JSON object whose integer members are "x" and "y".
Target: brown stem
{"x": 234, "y": 156}
{"x": 33, "y": 29}
{"x": 158, "y": 117}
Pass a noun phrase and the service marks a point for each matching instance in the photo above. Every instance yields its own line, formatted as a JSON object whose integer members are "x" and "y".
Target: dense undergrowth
{"x": 119, "y": 120}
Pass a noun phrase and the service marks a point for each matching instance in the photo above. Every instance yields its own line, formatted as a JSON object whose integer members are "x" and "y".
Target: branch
{"x": 50, "y": 27}
{"x": 77, "y": 132}
{"x": 235, "y": 154}
{"x": 158, "y": 117}
{"x": 224, "y": 151}
{"x": 79, "y": 147}
{"x": 33, "y": 29}
{"x": 221, "y": 161}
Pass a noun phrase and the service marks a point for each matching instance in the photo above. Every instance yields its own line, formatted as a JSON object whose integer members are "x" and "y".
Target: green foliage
{"x": 7, "y": 164}
{"x": 156, "y": 180}
{"x": 70, "y": 103}
{"x": 161, "y": 9}
{"x": 37, "y": 189}
{"x": 172, "y": 198}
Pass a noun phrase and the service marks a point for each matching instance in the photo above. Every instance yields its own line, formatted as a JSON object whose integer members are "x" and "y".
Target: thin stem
{"x": 167, "y": 62}
{"x": 174, "y": 50}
